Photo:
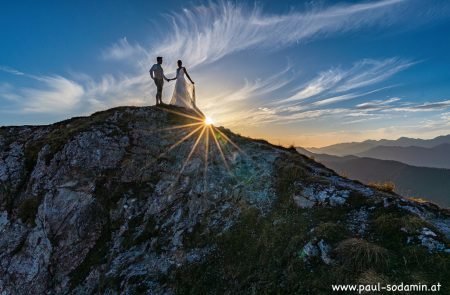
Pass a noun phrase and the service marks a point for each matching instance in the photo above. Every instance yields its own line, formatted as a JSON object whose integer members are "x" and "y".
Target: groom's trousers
{"x": 159, "y": 87}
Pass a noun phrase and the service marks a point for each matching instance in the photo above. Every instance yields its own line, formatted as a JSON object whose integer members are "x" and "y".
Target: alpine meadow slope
{"x": 151, "y": 201}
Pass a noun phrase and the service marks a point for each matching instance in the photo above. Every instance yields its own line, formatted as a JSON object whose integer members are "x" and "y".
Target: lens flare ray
{"x": 220, "y": 150}
{"x": 180, "y": 126}
{"x": 204, "y": 127}
{"x": 229, "y": 140}
{"x": 194, "y": 147}
{"x": 205, "y": 172}
{"x": 199, "y": 118}
{"x": 183, "y": 139}
{"x": 148, "y": 163}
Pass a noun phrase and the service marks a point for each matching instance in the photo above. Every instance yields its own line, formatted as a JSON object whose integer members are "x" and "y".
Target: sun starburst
{"x": 208, "y": 121}
{"x": 201, "y": 129}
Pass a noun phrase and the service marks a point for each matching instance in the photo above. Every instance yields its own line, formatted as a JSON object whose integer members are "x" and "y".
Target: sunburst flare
{"x": 202, "y": 130}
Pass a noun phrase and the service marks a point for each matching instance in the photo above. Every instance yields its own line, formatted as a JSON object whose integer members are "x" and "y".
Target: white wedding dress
{"x": 184, "y": 92}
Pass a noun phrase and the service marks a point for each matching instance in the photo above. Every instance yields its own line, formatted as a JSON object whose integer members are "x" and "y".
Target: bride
{"x": 184, "y": 93}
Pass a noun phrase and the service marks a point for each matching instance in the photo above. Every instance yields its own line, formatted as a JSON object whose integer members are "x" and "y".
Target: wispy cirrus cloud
{"x": 207, "y": 33}
{"x": 11, "y": 71}
{"x": 336, "y": 85}
{"x": 312, "y": 99}
{"x": 69, "y": 96}
{"x": 376, "y": 104}
{"x": 423, "y": 107}
{"x": 369, "y": 71}
{"x": 348, "y": 96}
{"x": 252, "y": 89}
{"x": 123, "y": 50}
{"x": 55, "y": 93}
{"x": 7, "y": 92}
{"x": 323, "y": 82}
{"x": 370, "y": 111}
{"x": 58, "y": 93}
{"x": 335, "y": 82}
{"x": 317, "y": 106}
{"x": 272, "y": 116}
{"x": 344, "y": 116}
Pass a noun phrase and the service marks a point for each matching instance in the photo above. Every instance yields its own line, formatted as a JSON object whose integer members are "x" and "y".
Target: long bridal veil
{"x": 184, "y": 92}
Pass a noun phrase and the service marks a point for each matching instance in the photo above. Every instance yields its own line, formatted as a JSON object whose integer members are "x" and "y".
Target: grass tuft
{"x": 331, "y": 232}
{"x": 387, "y": 187}
{"x": 358, "y": 254}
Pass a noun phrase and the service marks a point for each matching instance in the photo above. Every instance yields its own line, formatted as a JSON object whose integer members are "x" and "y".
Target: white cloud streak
{"x": 423, "y": 107}
{"x": 364, "y": 73}
{"x": 11, "y": 71}
{"x": 368, "y": 72}
{"x": 59, "y": 94}
{"x": 205, "y": 34}
{"x": 376, "y": 104}
{"x": 123, "y": 50}
{"x": 344, "y": 97}
{"x": 325, "y": 81}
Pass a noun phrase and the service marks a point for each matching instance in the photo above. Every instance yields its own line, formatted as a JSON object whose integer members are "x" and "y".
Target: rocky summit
{"x": 150, "y": 200}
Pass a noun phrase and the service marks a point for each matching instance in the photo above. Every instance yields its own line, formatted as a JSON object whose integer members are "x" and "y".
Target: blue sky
{"x": 308, "y": 73}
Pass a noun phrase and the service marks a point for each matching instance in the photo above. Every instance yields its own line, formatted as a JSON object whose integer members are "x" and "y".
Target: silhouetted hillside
{"x": 437, "y": 157}
{"x": 428, "y": 183}
{"x": 352, "y": 148}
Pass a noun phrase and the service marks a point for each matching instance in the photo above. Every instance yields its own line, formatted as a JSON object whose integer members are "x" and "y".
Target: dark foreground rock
{"x": 111, "y": 204}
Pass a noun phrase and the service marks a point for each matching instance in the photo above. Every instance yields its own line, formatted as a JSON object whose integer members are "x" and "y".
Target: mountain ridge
{"x": 427, "y": 183}
{"x": 436, "y": 157}
{"x": 137, "y": 200}
{"x": 349, "y": 148}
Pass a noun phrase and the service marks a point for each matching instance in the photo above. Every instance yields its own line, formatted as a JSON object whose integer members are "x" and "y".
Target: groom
{"x": 157, "y": 74}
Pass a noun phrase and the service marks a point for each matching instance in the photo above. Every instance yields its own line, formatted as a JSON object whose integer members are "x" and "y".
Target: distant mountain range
{"x": 418, "y": 167}
{"x": 437, "y": 157}
{"x": 353, "y": 148}
{"x": 428, "y": 183}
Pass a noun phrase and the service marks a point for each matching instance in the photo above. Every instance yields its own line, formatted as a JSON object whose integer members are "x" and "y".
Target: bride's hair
{"x": 179, "y": 62}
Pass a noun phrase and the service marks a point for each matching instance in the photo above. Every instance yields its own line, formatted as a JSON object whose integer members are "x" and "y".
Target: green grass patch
{"x": 358, "y": 255}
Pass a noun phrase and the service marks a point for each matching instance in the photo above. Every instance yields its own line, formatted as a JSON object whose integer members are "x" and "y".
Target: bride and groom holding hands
{"x": 184, "y": 92}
